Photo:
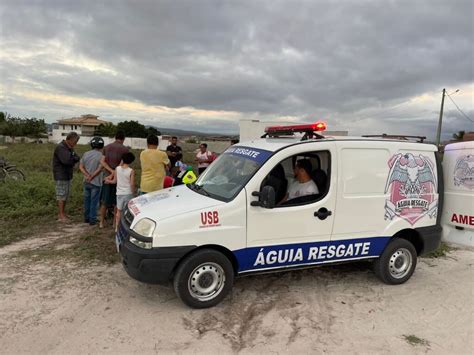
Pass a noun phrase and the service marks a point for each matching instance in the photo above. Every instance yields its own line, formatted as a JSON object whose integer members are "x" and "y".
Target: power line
{"x": 459, "y": 108}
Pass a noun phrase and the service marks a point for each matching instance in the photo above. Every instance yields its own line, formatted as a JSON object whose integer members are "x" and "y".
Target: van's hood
{"x": 170, "y": 202}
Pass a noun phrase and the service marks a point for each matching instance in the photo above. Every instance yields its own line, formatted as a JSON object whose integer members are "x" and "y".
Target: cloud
{"x": 350, "y": 62}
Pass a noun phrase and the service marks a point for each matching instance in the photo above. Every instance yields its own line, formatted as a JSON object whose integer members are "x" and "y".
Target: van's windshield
{"x": 225, "y": 177}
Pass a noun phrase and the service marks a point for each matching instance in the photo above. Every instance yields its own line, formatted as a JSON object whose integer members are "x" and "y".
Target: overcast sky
{"x": 364, "y": 66}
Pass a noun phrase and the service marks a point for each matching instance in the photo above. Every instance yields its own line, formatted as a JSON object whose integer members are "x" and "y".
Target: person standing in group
{"x": 92, "y": 170}
{"x": 111, "y": 158}
{"x": 64, "y": 159}
{"x": 203, "y": 157}
{"x": 154, "y": 163}
{"x": 173, "y": 150}
{"x": 124, "y": 178}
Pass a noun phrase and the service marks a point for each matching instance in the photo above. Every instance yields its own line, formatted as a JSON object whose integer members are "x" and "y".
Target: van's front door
{"x": 276, "y": 237}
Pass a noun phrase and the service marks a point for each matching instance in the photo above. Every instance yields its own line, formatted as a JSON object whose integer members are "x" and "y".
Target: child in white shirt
{"x": 124, "y": 177}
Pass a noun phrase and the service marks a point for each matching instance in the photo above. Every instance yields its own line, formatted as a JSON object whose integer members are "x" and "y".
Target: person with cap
{"x": 91, "y": 168}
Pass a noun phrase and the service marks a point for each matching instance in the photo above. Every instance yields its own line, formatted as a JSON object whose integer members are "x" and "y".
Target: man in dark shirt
{"x": 172, "y": 150}
{"x": 111, "y": 158}
{"x": 64, "y": 159}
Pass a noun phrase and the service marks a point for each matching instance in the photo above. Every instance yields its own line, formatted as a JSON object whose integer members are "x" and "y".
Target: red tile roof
{"x": 84, "y": 120}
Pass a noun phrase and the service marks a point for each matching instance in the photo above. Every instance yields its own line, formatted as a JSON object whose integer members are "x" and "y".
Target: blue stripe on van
{"x": 275, "y": 256}
{"x": 258, "y": 155}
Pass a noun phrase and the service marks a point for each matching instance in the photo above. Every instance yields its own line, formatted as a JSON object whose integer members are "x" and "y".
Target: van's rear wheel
{"x": 397, "y": 262}
{"x": 204, "y": 278}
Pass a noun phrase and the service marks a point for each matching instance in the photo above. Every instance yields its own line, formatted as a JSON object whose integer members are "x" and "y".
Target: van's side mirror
{"x": 266, "y": 197}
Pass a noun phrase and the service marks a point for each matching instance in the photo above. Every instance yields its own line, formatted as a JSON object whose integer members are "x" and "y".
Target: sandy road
{"x": 55, "y": 306}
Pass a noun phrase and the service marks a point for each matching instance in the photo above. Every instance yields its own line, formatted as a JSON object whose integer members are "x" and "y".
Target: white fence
{"x": 8, "y": 139}
{"x": 134, "y": 143}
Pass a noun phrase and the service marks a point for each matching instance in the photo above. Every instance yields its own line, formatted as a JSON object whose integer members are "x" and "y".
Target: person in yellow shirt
{"x": 154, "y": 163}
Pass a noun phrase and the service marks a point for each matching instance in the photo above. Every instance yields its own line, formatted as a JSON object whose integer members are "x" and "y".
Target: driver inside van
{"x": 303, "y": 184}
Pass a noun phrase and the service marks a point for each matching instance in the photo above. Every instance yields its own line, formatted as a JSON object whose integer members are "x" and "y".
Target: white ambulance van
{"x": 369, "y": 199}
{"x": 458, "y": 212}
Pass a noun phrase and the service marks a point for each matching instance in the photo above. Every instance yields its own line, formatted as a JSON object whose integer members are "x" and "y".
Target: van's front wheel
{"x": 397, "y": 262}
{"x": 204, "y": 278}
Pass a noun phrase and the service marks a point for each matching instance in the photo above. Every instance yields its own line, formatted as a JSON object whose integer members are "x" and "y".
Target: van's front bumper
{"x": 155, "y": 265}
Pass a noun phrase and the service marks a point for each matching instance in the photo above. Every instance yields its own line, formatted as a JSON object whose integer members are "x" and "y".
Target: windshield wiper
{"x": 198, "y": 189}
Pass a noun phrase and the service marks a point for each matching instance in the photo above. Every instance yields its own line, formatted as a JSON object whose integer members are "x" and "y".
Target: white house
{"x": 84, "y": 125}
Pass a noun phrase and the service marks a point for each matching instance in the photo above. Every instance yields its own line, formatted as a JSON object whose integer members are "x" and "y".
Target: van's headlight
{"x": 145, "y": 227}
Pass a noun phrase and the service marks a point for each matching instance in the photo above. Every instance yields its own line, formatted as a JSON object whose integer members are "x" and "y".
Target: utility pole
{"x": 438, "y": 136}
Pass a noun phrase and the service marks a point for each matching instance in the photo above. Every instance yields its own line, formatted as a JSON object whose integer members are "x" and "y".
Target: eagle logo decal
{"x": 464, "y": 171}
{"x": 412, "y": 187}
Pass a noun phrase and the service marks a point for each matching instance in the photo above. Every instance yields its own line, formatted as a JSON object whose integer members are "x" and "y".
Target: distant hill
{"x": 182, "y": 132}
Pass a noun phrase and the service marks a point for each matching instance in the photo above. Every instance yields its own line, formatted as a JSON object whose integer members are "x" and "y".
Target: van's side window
{"x": 300, "y": 179}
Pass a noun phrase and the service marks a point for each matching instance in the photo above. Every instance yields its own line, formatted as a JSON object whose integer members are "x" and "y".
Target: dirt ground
{"x": 57, "y": 305}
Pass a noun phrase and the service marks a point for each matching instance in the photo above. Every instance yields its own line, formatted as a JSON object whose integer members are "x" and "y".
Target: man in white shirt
{"x": 303, "y": 185}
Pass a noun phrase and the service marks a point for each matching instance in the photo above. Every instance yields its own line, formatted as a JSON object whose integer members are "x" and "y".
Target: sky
{"x": 368, "y": 67}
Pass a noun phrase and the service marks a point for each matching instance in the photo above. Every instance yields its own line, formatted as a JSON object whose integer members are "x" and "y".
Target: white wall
{"x": 58, "y": 134}
{"x": 7, "y": 139}
{"x": 134, "y": 143}
{"x": 253, "y": 129}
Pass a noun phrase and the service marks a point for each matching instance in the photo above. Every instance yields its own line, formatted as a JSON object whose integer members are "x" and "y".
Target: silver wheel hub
{"x": 400, "y": 263}
{"x": 206, "y": 281}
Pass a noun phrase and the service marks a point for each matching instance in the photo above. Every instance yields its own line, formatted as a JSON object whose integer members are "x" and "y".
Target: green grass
{"x": 29, "y": 207}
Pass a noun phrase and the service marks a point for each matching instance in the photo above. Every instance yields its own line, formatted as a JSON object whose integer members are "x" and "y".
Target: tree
{"x": 136, "y": 129}
{"x": 459, "y": 136}
{"x": 106, "y": 130}
{"x": 33, "y": 127}
{"x": 153, "y": 130}
{"x": 11, "y": 128}
{"x": 3, "y": 121}
{"x": 16, "y": 127}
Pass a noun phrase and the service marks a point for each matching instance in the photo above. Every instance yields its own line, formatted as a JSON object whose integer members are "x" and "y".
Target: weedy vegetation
{"x": 414, "y": 340}
{"x": 29, "y": 207}
{"x": 442, "y": 251}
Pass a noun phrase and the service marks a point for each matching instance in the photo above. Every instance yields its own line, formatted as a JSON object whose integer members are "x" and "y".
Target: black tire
{"x": 204, "y": 278}
{"x": 15, "y": 175}
{"x": 397, "y": 262}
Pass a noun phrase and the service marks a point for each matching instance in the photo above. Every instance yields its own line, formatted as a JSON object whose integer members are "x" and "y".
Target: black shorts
{"x": 108, "y": 195}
